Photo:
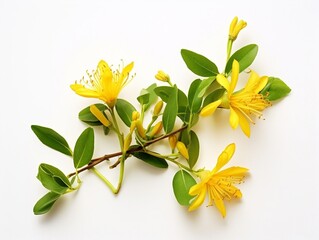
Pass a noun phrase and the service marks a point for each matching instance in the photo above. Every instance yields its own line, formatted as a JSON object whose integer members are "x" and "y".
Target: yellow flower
{"x": 235, "y": 27}
{"x": 218, "y": 184}
{"x": 244, "y": 103}
{"x": 103, "y": 83}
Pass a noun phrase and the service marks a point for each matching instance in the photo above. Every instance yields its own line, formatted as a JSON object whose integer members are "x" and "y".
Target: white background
{"x": 47, "y": 45}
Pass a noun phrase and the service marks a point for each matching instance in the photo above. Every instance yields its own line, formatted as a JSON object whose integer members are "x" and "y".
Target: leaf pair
{"x": 83, "y": 150}
{"x": 202, "y": 66}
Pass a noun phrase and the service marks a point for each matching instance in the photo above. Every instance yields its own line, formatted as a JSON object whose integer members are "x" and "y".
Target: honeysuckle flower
{"x": 235, "y": 27}
{"x": 243, "y": 103}
{"x": 103, "y": 83}
{"x": 218, "y": 184}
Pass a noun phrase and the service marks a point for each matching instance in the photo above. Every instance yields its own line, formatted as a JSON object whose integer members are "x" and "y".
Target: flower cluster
{"x": 164, "y": 104}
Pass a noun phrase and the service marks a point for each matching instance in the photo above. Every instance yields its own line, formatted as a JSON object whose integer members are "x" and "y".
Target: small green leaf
{"x": 52, "y": 139}
{"x": 214, "y": 96}
{"x": 84, "y": 147}
{"x": 199, "y": 64}
{"x": 193, "y": 149}
{"x": 86, "y": 116}
{"x": 150, "y": 159}
{"x": 182, "y": 182}
{"x": 275, "y": 89}
{"x": 45, "y": 203}
{"x": 184, "y": 137}
{"x": 152, "y": 96}
{"x": 170, "y": 111}
{"x": 164, "y": 92}
{"x": 245, "y": 56}
{"x": 124, "y": 109}
{"x": 144, "y": 97}
{"x": 192, "y": 92}
{"x": 196, "y": 93}
{"x": 53, "y": 179}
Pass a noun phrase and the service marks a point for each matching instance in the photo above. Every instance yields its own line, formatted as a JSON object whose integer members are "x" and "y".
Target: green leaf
{"x": 275, "y": 89}
{"x": 193, "y": 149}
{"x": 192, "y": 92}
{"x": 84, "y": 147}
{"x": 199, "y": 64}
{"x": 170, "y": 111}
{"x": 152, "y": 96}
{"x": 164, "y": 92}
{"x": 45, "y": 203}
{"x": 53, "y": 179}
{"x": 214, "y": 96}
{"x": 245, "y": 56}
{"x": 52, "y": 139}
{"x": 182, "y": 182}
{"x": 144, "y": 98}
{"x": 196, "y": 93}
{"x": 86, "y": 116}
{"x": 184, "y": 137}
{"x": 150, "y": 159}
{"x": 124, "y": 109}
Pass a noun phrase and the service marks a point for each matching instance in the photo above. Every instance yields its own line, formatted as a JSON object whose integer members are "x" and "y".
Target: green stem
{"x": 168, "y": 158}
{"x": 229, "y": 48}
{"x": 104, "y": 179}
{"x": 117, "y": 129}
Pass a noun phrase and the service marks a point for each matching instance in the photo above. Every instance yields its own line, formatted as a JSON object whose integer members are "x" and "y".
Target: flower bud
{"x": 157, "y": 109}
{"x": 140, "y": 129}
{"x": 156, "y": 129}
{"x": 162, "y": 76}
{"x": 172, "y": 141}
{"x": 182, "y": 149}
{"x": 235, "y": 27}
{"x": 127, "y": 141}
{"x": 99, "y": 115}
{"x": 135, "y": 115}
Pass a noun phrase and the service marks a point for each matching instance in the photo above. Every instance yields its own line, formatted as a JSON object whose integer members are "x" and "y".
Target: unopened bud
{"x": 140, "y": 129}
{"x": 235, "y": 27}
{"x": 156, "y": 129}
{"x": 133, "y": 126}
{"x": 99, "y": 115}
{"x": 172, "y": 141}
{"x": 182, "y": 149}
{"x": 135, "y": 115}
{"x": 127, "y": 142}
{"x": 162, "y": 76}
{"x": 158, "y": 108}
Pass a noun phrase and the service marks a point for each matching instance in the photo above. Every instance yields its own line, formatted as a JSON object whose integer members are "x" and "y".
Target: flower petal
{"x": 84, "y": 92}
{"x": 261, "y": 84}
{"x": 210, "y": 108}
{"x": 252, "y": 81}
{"x": 223, "y": 81}
{"x": 234, "y": 76}
{"x": 224, "y": 157}
{"x": 198, "y": 200}
{"x": 127, "y": 69}
{"x": 219, "y": 203}
{"x": 244, "y": 124}
{"x": 233, "y": 118}
{"x": 232, "y": 171}
{"x": 196, "y": 189}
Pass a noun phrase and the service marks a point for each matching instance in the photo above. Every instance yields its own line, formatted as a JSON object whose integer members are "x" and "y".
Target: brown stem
{"x": 97, "y": 161}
